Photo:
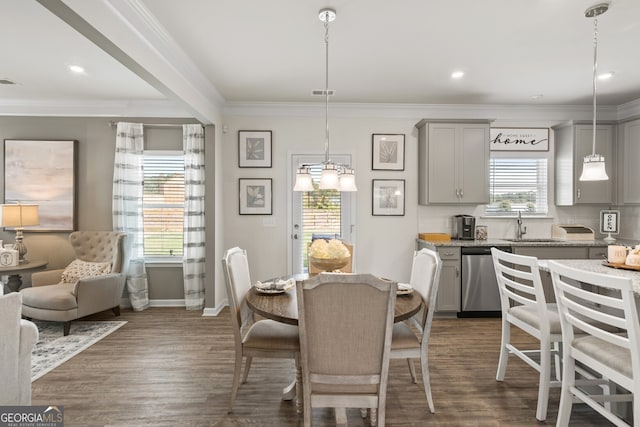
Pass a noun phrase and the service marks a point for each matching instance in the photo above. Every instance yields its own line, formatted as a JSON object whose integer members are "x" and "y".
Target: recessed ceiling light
{"x": 605, "y": 76}
{"x": 76, "y": 68}
{"x": 538, "y": 96}
{"x": 457, "y": 74}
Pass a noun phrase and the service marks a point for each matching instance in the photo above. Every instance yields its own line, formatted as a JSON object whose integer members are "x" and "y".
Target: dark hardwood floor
{"x": 171, "y": 367}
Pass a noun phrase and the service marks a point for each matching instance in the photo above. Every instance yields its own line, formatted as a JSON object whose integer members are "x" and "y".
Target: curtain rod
{"x": 113, "y": 123}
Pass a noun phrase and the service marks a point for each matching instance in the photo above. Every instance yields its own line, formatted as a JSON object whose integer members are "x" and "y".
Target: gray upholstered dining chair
{"x": 425, "y": 279}
{"x": 345, "y": 322}
{"x": 524, "y": 306}
{"x": 263, "y": 338}
{"x": 92, "y": 283}
{"x": 601, "y": 331}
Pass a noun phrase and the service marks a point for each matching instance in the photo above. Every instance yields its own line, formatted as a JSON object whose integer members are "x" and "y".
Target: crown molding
{"x": 417, "y": 111}
{"x": 92, "y": 108}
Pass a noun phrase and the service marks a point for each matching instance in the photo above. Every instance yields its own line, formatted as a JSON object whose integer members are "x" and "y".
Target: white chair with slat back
{"x": 524, "y": 306}
{"x": 345, "y": 337}
{"x": 601, "y": 331}
{"x": 264, "y": 338}
{"x": 425, "y": 279}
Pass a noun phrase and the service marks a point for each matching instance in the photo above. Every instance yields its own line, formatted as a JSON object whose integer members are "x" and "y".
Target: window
{"x": 517, "y": 184}
{"x": 163, "y": 204}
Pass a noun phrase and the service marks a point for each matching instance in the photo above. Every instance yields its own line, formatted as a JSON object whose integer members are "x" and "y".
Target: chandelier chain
{"x": 326, "y": 83}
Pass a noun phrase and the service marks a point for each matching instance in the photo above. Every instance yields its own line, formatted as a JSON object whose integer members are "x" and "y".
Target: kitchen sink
{"x": 532, "y": 240}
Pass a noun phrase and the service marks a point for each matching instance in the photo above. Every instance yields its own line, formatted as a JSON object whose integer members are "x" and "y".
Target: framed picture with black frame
{"x": 256, "y": 196}
{"x": 387, "y": 197}
{"x": 387, "y": 152}
{"x": 254, "y": 148}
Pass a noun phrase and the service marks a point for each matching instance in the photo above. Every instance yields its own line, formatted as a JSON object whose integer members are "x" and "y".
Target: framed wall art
{"x": 255, "y": 196}
{"x": 388, "y": 197}
{"x": 43, "y": 172}
{"x": 254, "y": 148}
{"x": 387, "y": 152}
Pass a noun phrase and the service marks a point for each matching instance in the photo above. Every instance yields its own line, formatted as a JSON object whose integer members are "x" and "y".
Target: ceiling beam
{"x": 129, "y": 33}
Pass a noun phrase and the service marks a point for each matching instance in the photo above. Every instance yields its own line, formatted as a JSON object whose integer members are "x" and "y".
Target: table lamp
{"x": 20, "y": 216}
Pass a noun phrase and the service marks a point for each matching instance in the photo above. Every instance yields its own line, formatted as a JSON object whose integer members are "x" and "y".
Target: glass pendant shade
{"x": 593, "y": 169}
{"x": 348, "y": 181}
{"x": 329, "y": 177}
{"x": 303, "y": 180}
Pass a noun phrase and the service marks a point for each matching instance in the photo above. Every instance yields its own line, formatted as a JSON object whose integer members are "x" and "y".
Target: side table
{"x": 15, "y": 281}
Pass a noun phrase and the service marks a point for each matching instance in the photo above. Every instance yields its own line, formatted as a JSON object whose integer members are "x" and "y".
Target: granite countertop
{"x": 596, "y": 266}
{"x": 545, "y": 242}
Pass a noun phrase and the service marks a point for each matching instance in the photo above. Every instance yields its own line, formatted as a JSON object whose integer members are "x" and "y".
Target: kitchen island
{"x": 455, "y": 270}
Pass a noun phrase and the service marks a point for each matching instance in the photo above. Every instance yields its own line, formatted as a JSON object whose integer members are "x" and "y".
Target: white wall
{"x": 383, "y": 245}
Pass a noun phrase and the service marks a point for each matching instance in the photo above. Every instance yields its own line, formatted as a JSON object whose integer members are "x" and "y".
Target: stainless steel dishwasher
{"x": 479, "y": 287}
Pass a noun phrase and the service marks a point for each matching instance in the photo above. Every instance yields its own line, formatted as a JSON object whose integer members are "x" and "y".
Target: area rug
{"x": 53, "y": 349}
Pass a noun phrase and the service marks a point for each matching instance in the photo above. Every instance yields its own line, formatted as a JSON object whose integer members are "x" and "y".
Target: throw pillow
{"x": 79, "y": 269}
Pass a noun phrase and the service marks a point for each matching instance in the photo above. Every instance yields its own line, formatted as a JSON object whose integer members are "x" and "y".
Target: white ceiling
{"x": 198, "y": 54}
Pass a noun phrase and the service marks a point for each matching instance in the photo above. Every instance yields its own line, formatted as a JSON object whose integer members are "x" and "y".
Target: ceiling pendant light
{"x": 593, "y": 168}
{"x": 333, "y": 176}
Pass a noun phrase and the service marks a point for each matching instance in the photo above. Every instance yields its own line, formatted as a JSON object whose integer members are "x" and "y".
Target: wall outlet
{"x": 269, "y": 222}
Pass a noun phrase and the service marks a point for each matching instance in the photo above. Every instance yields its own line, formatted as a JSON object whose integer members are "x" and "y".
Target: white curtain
{"x": 127, "y": 206}
{"x": 194, "y": 221}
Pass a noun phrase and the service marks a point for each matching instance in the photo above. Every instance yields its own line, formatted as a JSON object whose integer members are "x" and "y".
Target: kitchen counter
{"x": 525, "y": 242}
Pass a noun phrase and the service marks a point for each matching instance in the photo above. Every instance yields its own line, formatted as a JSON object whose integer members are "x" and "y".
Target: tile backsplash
{"x": 438, "y": 219}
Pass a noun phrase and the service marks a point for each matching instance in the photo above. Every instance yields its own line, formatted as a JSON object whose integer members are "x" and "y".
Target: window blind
{"x": 321, "y": 213}
{"x": 518, "y": 184}
{"x": 163, "y": 204}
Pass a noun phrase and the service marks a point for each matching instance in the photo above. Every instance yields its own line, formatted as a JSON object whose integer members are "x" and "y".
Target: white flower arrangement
{"x": 332, "y": 249}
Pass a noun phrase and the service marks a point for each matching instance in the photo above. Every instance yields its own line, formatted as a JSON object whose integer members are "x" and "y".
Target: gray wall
{"x": 96, "y": 149}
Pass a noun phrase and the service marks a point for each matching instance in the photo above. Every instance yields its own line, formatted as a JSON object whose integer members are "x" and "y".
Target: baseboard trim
{"x": 213, "y": 311}
{"x": 166, "y": 303}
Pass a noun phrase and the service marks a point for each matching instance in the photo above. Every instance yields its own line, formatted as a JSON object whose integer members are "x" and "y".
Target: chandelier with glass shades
{"x": 593, "y": 168}
{"x": 334, "y": 176}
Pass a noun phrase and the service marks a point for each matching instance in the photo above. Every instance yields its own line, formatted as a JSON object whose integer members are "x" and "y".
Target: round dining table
{"x": 283, "y": 307}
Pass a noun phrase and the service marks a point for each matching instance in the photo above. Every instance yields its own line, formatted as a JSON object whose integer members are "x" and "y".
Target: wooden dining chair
{"x": 524, "y": 306}
{"x": 262, "y": 338}
{"x": 345, "y": 322}
{"x": 601, "y": 331}
{"x": 405, "y": 344}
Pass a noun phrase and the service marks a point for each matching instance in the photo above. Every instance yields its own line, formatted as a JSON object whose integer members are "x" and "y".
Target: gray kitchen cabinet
{"x": 629, "y": 173}
{"x": 453, "y": 161}
{"x": 572, "y": 143}
{"x": 448, "y": 299}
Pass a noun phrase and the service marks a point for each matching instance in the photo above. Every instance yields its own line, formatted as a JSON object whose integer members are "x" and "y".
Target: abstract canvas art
{"x": 43, "y": 172}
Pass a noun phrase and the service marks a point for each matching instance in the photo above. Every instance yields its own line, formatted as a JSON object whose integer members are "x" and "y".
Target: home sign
{"x": 519, "y": 139}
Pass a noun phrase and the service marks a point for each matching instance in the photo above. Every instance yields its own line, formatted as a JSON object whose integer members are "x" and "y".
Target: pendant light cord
{"x": 326, "y": 82}
{"x": 595, "y": 78}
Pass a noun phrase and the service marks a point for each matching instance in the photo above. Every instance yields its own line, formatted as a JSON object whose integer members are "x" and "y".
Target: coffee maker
{"x": 464, "y": 227}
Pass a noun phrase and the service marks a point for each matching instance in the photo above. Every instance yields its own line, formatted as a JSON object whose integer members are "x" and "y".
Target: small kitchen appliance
{"x": 571, "y": 232}
{"x": 464, "y": 227}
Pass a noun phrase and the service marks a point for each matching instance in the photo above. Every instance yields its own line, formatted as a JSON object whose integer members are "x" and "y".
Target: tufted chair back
{"x": 103, "y": 246}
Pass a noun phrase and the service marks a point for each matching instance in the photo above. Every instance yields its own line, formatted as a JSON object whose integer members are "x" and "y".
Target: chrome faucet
{"x": 520, "y": 230}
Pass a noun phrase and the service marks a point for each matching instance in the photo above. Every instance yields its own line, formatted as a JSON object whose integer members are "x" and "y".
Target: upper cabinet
{"x": 628, "y": 161}
{"x": 453, "y": 161}
{"x": 572, "y": 143}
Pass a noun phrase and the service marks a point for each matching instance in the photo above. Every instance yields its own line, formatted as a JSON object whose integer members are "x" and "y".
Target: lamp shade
{"x": 303, "y": 180}
{"x": 348, "y": 181}
{"x": 329, "y": 177}
{"x": 593, "y": 169}
{"x": 19, "y": 215}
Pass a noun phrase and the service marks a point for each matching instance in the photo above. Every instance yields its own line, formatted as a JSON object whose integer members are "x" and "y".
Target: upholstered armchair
{"x": 92, "y": 283}
{"x": 17, "y": 338}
